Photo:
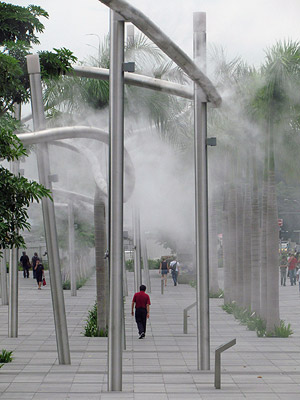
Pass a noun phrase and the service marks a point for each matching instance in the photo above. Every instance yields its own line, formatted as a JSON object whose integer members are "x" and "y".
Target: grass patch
{"x": 81, "y": 282}
{"x": 218, "y": 295}
{"x": 6, "y": 356}
{"x": 90, "y": 329}
{"x": 255, "y": 323}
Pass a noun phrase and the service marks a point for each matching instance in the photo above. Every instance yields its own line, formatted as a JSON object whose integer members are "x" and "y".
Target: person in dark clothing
{"x": 163, "y": 270}
{"x": 24, "y": 260}
{"x": 142, "y": 310}
{"x": 39, "y": 273}
{"x": 33, "y": 262}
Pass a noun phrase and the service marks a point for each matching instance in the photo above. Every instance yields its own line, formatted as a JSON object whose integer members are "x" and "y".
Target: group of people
{"x": 165, "y": 267}
{"x": 38, "y": 272}
{"x": 289, "y": 268}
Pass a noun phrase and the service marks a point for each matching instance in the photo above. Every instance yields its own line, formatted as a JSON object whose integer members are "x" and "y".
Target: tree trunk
{"x": 263, "y": 256}
{"x": 226, "y": 251}
{"x": 255, "y": 247}
{"x": 239, "y": 247}
{"x": 213, "y": 248}
{"x": 247, "y": 248}
{"x": 272, "y": 229}
{"x": 101, "y": 270}
{"x": 232, "y": 241}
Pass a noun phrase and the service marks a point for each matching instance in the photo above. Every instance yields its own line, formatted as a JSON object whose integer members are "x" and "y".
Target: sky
{"x": 243, "y": 28}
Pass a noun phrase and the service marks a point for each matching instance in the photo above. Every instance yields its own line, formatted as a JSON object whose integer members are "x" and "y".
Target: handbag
{"x": 44, "y": 282}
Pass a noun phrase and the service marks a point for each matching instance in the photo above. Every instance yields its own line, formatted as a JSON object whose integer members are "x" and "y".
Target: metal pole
{"x": 4, "y": 292}
{"x": 162, "y": 285}
{"x": 72, "y": 249}
{"x": 125, "y": 283}
{"x": 116, "y": 164}
{"x": 13, "y": 261}
{"x": 137, "y": 252}
{"x": 13, "y": 279}
{"x": 201, "y": 202}
{"x": 145, "y": 264}
{"x": 58, "y": 302}
{"x": 13, "y": 294}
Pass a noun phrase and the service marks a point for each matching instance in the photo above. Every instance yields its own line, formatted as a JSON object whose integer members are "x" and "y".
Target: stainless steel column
{"x": 201, "y": 202}
{"x": 72, "y": 249}
{"x": 4, "y": 292}
{"x": 13, "y": 261}
{"x": 116, "y": 172}
{"x": 137, "y": 250}
{"x": 13, "y": 294}
{"x": 58, "y": 302}
{"x": 145, "y": 263}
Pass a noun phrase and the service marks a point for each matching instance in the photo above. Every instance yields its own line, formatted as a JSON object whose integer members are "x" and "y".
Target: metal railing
{"x": 218, "y": 352}
{"x": 185, "y": 317}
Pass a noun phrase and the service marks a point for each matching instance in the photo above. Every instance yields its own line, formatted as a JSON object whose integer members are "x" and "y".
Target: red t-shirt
{"x": 141, "y": 299}
{"x": 292, "y": 262}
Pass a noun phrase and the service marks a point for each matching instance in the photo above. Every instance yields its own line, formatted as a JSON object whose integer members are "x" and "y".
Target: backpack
{"x": 173, "y": 268}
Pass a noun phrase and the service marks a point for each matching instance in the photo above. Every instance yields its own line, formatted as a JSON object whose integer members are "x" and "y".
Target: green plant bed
{"x": 6, "y": 356}
{"x": 90, "y": 329}
{"x": 81, "y": 282}
{"x": 255, "y": 323}
{"x": 189, "y": 279}
{"x": 218, "y": 295}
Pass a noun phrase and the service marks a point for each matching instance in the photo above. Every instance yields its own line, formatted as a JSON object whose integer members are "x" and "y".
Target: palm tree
{"x": 275, "y": 105}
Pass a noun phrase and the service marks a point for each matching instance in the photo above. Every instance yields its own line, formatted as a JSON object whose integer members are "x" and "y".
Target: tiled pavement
{"x": 160, "y": 367}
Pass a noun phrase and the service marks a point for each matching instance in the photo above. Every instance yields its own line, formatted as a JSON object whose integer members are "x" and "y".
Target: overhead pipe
{"x": 145, "y": 25}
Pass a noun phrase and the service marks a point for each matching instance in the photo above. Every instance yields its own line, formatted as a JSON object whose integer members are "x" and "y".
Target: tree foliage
{"x": 18, "y": 31}
{"x": 16, "y": 192}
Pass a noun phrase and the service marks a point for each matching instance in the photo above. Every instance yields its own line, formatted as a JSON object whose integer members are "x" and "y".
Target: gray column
{"x": 137, "y": 250}
{"x": 43, "y": 163}
{"x": 201, "y": 203}
{"x": 4, "y": 292}
{"x": 145, "y": 263}
{"x": 125, "y": 284}
{"x": 13, "y": 279}
{"x": 13, "y": 294}
{"x": 13, "y": 261}
{"x": 72, "y": 249}
{"x": 116, "y": 172}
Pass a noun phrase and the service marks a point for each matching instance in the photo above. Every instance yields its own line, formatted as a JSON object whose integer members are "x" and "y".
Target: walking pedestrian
{"x": 174, "y": 267}
{"x": 292, "y": 263}
{"x": 33, "y": 262}
{"x": 24, "y": 260}
{"x": 283, "y": 268}
{"x": 163, "y": 270}
{"x": 39, "y": 273}
{"x": 141, "y": 300}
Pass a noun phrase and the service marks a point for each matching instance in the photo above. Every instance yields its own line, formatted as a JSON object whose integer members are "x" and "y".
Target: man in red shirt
{"x": 292, "y": 263}
{"x": 142, "y": 309}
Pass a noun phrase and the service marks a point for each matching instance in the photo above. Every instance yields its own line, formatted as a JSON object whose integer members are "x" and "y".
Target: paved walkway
{"x": 160, "y": 367}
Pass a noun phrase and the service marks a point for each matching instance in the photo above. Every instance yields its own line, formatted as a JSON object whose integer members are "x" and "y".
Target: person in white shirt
{"x": 174, "y": 267}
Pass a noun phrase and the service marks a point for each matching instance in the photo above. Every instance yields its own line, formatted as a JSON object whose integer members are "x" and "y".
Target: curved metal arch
{"x": 83, "y": 132}
{"x": 145, "y": 25}
{"x": 92, "y": 160}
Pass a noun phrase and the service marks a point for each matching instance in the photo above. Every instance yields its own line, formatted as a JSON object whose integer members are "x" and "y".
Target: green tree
{"x": 18, "y": 29}
{"x": 16, "y": 192}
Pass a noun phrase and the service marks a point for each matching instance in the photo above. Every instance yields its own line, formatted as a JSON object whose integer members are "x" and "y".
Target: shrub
{"x": 6, "y": 356}
{"x": 81, "y": 282}
{"x": 255, "y": 323}
{"x": 90, "y": 328}
{"x": 129, "y": 265}
{"x": 153, "y": 264}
